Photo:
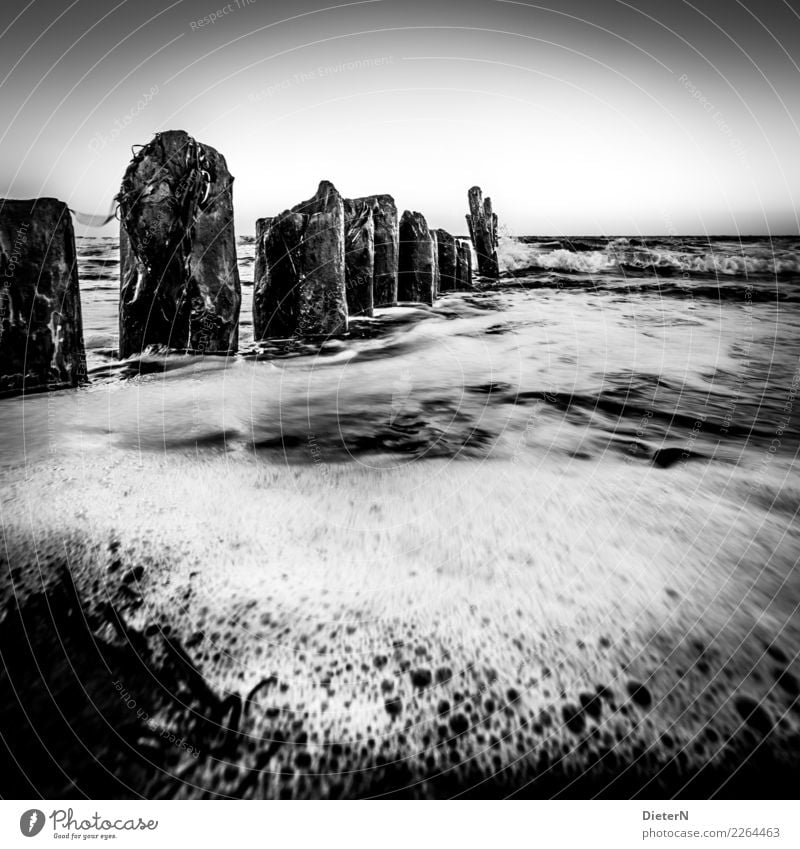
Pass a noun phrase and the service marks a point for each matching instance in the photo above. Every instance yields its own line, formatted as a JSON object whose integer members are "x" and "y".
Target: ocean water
{"x": 539, "y": 539}
{"x": 584, "y": 345}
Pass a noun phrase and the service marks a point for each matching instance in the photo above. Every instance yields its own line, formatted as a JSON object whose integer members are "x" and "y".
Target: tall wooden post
{"x": 179, "y": 278}
{"x": 41, "y": 327}
{"x": 482, "y": 223}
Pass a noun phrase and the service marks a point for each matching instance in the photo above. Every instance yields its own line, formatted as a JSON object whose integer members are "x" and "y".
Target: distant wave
{"x": 695, "y": 257}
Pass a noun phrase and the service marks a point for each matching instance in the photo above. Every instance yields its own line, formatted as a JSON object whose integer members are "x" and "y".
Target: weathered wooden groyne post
{"x": 41, "y": 328}
{"x": 179, "y": 278}
{"x": 359, "y": 256}
{"x": 299, "y": 278}
{"x": 482, "y": 222}
{"x": 322, "y": 298}
{"x": 384, "y": 217}
{"x": 275, "y": 275}
{"x": 416, "y": 266}
{"x": 447, "y": 255}
{"x": 463, "y": 265}
{"x": 436, "y": 277}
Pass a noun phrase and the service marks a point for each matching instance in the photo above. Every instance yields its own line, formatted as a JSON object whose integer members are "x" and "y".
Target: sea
{"x": 627, "y": 344}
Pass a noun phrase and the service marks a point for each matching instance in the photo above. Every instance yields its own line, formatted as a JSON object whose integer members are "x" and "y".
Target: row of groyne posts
{"x": 316, "y": 265}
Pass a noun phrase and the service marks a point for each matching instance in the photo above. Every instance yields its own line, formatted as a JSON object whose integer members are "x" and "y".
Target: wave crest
{"x": 618, "y": 256}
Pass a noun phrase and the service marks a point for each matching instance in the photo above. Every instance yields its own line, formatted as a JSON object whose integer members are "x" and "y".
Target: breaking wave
{"x": 698, "y": 257}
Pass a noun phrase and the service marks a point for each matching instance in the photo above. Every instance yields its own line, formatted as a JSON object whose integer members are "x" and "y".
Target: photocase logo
{"x": 31, "y": 822}
{"x": 66, "y": 825}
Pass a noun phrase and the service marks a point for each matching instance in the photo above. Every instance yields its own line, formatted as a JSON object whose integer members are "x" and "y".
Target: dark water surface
{"x": 688, "y": 345}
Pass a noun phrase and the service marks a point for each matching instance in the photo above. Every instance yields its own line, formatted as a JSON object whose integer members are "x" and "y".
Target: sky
{"x": 575, "y": 116}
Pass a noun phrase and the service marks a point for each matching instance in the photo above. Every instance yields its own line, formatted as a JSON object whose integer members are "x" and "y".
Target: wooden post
{"x": 276, "y": 277}
{"x": 322, "y": 299}
{"x": 41, "y": 328}
{"x": 448, "y": 257}
{"x": 359, "y": 256}
{"x": 179, "y": 278}
{"x": 300, "y": 270}
{"x": 436, "y": 277}
{"x": 384, "y": 217}
{"x": 482, "y": 224}
{"x": 463, "y": 265}
{"x": 416, "y": 260}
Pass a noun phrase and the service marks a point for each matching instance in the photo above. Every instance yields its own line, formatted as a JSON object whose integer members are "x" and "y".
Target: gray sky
{"x": 576, "y": 116}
